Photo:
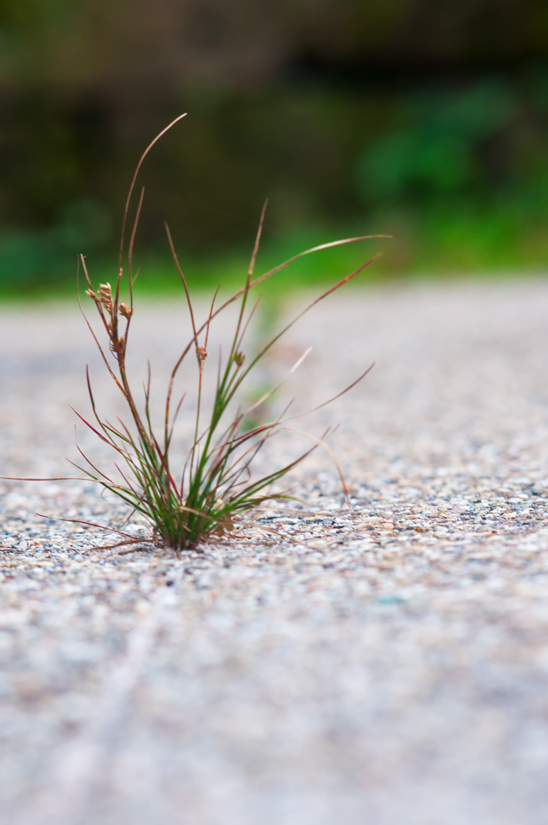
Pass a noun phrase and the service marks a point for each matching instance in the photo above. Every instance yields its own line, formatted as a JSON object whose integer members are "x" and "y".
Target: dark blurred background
{"x": 425, "y": 119}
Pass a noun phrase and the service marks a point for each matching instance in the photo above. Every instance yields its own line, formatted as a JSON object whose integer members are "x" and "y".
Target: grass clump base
{"x": 214, "y": 486}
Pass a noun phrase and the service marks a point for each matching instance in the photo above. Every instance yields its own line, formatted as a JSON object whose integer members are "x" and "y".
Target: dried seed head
{"x": 238, "y": 358}
{"x": 125, "y": 311}
{"x": 201, "y": 355}
{"x": 91, "y": 294}
{"x": 105, "y": 296}
{"x": 117, "y": 346}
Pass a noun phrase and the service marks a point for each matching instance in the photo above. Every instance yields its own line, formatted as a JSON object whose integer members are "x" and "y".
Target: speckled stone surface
{"x": 386, "y": 664}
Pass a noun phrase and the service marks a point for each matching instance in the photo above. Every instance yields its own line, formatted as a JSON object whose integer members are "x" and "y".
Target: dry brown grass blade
{"x": 134, "y": 179}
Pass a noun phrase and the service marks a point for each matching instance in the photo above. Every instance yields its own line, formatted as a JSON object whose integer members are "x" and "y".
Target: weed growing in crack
{"x": 214, "y": 485}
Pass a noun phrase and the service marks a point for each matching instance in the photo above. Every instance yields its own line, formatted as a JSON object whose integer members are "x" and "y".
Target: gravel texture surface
{"x": 386, "y": 664}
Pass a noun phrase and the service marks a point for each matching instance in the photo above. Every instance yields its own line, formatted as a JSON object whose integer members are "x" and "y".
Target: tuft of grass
{"x": 215, "y": 485}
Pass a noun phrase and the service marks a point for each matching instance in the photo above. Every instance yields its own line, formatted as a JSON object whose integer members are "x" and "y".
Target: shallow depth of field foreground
{"x": 385, "y": 665}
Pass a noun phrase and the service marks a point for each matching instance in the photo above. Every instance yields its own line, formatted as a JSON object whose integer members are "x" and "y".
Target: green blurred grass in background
{"x": 425, "y": 121}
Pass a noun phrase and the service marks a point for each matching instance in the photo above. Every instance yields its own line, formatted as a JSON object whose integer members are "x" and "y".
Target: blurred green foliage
{"x": 425, "y": 121}
{"x": 462, "y": 177}
{"x": 42, "y": 258}
{"x": 440, "y": 151}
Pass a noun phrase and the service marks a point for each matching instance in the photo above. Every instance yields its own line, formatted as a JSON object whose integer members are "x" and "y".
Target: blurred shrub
{"x": 441, "y": 149}
{"x": 36, "y": 259}
{"x": 461, "y": 176}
